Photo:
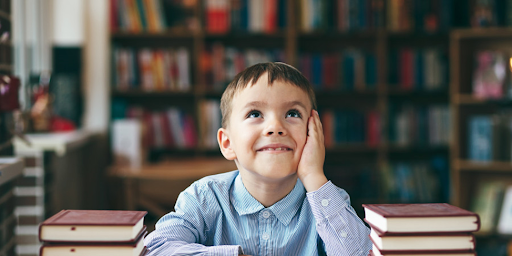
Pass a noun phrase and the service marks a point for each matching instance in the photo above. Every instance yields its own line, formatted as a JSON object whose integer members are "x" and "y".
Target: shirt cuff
{"x": 328, "y": 200}
{"x": 222, "y": 250}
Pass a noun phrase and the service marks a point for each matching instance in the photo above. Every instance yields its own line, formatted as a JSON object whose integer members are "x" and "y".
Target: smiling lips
{"x": 276, "y": 148}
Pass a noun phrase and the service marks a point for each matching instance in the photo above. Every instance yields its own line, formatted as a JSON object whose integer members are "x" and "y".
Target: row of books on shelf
{"x": 419, "y": 125}
{"x": 491, "y": 75}
{"x": 493, "y": 202}
{"x": 490, "y": 137}
{"x": 341, "y": 15}
{"x": 93, "y": 232}
{"x": 255, "y": 16}
{"x": 418, "y": 69}
{"x": 421, "y": 229}
{"x": 346, "y": 127}
{"x": 152, "y": 69}
{"x": 136, "y": 16}
{"x": 422, "y": 181}
{"x": 348, "y": 70}
{"x": 220, "y": 64}
{"x": 418, "y": 15}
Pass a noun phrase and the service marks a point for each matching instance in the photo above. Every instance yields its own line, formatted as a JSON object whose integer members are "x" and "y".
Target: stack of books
{"x": 93, "y": 232}
{"x": 421, "y": 229}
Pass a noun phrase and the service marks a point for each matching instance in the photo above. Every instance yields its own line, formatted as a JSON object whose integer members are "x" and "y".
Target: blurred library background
{"x": 115, "y": 104}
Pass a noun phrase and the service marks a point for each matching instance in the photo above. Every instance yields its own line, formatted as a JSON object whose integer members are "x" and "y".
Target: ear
{"x": 225, "y": 144}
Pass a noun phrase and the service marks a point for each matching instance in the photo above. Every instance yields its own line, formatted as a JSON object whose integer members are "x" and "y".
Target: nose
{"x": 275, "y": 127}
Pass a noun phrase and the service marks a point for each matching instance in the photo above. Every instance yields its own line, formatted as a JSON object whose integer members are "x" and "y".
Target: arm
{"x": 336, "y": 221}
{"x": 181, "y": 232}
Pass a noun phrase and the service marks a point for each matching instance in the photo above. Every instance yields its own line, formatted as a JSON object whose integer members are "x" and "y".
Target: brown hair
{"x": 276, "y": 71}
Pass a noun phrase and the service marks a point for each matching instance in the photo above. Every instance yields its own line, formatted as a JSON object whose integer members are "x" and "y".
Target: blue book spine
{"x": 244, "y": 15}
{"x": 348, "y": 71}
{"x": 316, "y": 63}
{"x": 370, "y": 70}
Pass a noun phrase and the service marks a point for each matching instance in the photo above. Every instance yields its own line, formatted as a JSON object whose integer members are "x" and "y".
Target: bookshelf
{"x": 301, "y": 39}
{"x": 6, "y": 68}
{"x": 478, "y": 161}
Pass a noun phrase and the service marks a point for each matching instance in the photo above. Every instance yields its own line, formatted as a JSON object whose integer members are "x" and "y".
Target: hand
{"x": 310, "y": 169}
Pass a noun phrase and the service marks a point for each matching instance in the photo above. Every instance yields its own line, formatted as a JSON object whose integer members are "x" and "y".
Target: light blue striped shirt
{"x": 216, "y": 215}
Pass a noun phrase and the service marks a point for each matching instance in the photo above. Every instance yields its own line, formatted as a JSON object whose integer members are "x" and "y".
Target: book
{"x": 97, "y": 249}
{"x": 486, "y": 204}
{"x": 93, "y": 226}
{"x": 505, "y": 219}
{"x": 424, "y": 218}
{"x": 127, "y": 142}
{"x": 454, "y": 242}
{"x": 376, "y": 252}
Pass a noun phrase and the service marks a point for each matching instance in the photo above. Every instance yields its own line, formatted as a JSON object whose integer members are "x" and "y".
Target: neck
{"x": 267, "y": 192}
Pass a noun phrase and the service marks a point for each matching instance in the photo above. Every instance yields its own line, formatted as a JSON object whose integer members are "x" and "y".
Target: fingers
{"x": 315, "y": 125}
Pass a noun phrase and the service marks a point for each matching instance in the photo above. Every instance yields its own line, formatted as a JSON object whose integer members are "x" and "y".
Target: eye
{"x": 293, "y": 113}
{"x": 254, "y": 114}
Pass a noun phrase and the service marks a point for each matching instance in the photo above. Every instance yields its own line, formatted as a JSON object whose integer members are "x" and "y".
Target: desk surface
{"x": 179, "y": 169}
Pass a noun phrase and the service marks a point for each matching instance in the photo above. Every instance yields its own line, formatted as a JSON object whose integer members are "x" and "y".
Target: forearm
{"x": 313, "y": 181}
{"x": 159, "y": 244}
{"x": 341, "y": 230}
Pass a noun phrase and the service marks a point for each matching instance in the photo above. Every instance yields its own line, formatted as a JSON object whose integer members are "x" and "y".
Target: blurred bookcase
{"x": 385, "y": 75}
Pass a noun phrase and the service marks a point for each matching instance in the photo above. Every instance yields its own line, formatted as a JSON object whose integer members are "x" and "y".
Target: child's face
{"x": 267, "y": 129}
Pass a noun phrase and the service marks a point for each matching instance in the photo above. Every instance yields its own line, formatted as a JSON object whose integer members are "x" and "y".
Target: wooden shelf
{"x": 143, "y": 93}
{"x": 169, "y": 34}
{"x": 483, "y": 33}
{"x": 474, "y": 166}
{"x": 469, "y": 99}
{"x": 341, "y": 35}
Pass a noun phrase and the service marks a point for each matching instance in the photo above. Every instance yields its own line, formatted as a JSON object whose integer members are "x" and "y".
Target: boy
{"x": 270, "y": 128}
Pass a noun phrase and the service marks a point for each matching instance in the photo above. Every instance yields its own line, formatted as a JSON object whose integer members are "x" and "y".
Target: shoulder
{"x": 213, "y": 184}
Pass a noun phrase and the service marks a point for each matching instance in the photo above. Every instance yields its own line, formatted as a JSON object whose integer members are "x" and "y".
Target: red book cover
{"x": 420, "y": 218}
{"x": 406, "y": 68}
{"x": 114, "y": 26}
{"x": 166, "y": 130}
{"x": 189, "y": 130}
{"x": 330, "y": 66}
{"x": 270, "y": 19}
{"x": 327, "y": 118}
{"x": 148, "y": 139}
{"x": 93, "y": 226}
{"x": 372, "y": 129}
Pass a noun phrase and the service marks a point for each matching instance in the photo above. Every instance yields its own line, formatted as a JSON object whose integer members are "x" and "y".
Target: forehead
{"x": 278, "y": 91}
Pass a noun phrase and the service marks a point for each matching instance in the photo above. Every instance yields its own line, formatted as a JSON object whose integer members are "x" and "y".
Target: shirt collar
{"x": 284, "y": 210}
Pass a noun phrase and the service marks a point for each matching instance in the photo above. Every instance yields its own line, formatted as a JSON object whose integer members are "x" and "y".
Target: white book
{"x": 183, "y": 62}
{"x": 127, "y": 142}
{"x": 505, "y": 220}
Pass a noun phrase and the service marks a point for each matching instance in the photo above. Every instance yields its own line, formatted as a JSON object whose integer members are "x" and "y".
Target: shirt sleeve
{"x": 337, "y": 223}
{"x": 181, "y": 232}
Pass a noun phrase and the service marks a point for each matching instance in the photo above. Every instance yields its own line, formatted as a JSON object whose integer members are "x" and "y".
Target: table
{"x": 156, "y": 187}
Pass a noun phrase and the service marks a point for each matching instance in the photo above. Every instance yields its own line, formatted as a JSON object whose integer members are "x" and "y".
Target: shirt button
{"x": 325, "y": 202}
{"x": 266, "y": 214}
{"x": 343, "y": 234}
{"x": 265, "y": 236}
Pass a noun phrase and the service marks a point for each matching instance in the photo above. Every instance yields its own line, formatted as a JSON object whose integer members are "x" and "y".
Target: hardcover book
{"x": 83, "y": 226}
{"x": 452, "y": 242}
{"x": 420, "y": 218}
{"x": 376, "y": 252}
{"x": 98, "y": 249}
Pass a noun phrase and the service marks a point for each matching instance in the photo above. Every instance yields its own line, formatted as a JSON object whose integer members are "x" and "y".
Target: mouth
{"x": 274, "y": 148}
